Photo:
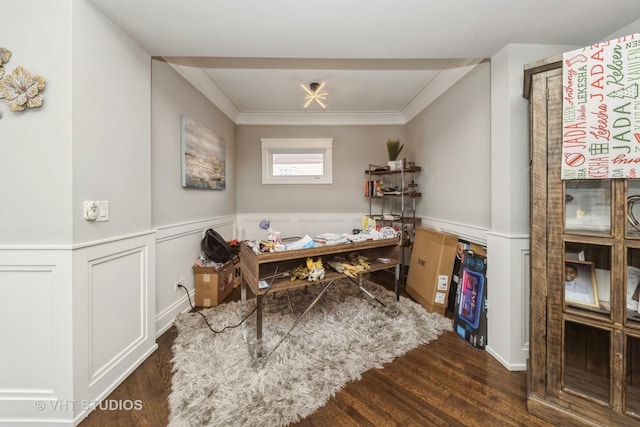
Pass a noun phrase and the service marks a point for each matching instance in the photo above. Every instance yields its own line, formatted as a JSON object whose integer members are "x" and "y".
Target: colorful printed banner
{"x": 601, "y": 110}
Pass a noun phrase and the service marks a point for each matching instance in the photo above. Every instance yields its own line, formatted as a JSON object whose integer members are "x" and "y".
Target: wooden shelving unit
{"x": 395, "y": 208}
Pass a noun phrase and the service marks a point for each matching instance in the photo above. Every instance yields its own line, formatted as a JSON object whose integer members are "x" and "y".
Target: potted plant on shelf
{"x": 394, "y": 147}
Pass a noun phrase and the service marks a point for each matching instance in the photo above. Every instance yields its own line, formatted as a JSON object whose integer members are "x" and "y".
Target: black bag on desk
{"x": 215, "y": 248}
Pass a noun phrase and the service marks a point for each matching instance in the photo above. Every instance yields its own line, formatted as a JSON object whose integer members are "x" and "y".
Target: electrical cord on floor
{"x": 205, "y": 318}
{"x": 275, "y": 274}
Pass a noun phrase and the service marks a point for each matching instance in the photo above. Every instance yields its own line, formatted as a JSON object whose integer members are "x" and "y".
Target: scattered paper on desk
{"x": 361, "y": 237}
{"x": 305, "y": 242}
{"x": 329, "y": 236}
{"x": 262, "y": 284}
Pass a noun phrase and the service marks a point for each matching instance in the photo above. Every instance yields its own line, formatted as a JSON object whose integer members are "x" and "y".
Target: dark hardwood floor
{"x": 444, "y": 383}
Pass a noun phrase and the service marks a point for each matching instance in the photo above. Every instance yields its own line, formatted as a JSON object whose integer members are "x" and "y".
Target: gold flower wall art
{"x": 5, "y": 55}
{"x": 19, "y": 88}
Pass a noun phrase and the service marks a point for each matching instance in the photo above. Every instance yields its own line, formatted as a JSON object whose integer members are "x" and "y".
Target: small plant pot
{"x": 393, "y": 165}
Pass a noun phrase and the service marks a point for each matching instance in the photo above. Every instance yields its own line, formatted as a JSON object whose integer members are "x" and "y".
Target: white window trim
{"x": 270, "y": 144}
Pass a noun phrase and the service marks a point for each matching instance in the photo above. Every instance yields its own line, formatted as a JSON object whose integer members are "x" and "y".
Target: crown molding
{"x": 436, "y": 87}
{"x": 320, "y": 118}
{"x": 209, "y": 88}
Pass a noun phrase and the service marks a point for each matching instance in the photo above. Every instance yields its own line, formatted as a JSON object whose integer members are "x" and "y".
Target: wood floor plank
{"x": 443, "y": 383}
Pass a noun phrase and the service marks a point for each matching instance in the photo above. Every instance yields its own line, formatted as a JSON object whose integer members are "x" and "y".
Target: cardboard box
{"x": 213, "y": 286}
{"x": 430, "y": 268}
{"x": 470, "y": 312}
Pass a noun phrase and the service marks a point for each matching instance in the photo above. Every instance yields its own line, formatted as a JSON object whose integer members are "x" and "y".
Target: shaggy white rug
{"x": 217, "y": 383}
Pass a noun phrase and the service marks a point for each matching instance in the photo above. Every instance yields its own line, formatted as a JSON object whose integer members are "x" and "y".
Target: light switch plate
{"x": 103, "y": 211}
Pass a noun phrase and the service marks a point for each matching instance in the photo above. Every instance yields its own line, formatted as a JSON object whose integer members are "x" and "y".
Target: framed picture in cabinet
{"x": 633, "y": 288}
{"x": 580, "y": 285}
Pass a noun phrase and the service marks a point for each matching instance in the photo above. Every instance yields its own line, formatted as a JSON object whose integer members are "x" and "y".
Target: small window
{"x": 296, "y": 160}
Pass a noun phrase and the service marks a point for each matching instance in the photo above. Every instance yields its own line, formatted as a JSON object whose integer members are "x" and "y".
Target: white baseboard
{"x": 164, "y": 320}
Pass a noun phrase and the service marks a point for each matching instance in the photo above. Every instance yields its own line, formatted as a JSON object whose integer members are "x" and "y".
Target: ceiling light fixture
{"x": 314, "y": 93}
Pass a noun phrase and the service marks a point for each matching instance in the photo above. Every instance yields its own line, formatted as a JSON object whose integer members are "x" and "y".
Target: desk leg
{"x": 243, "y": 297}
{"x": 397, "y": 282}
{"x": 369, "y": 294}
{"x": 309, "y": 307}
{"x": 259, "y": 325}
{"x": 255, "y": 349}
{"x": 243, "y": 306}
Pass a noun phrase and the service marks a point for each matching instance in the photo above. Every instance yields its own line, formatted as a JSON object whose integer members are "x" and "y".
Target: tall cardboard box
{"x": 430, "y": 268}
{"x": 213, "y": 286}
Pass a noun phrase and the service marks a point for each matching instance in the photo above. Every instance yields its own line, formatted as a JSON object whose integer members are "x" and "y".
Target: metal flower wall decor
{"x": 5, "y": 55}
{"x": 19, "y": 88}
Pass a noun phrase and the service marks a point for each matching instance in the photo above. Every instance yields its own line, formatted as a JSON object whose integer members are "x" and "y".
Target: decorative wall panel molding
{"x": 177, "y": 248}
{"x": 36, "y": 373}
{"x": 114, "y": 309}
{"x": 118, "y": 299}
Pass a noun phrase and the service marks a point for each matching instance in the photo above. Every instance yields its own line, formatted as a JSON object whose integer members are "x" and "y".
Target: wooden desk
{"x": 263, "y": 266}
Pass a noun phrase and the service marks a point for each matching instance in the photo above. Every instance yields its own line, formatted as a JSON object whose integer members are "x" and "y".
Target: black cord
{"x": 205, "y": 318}
{"x": 229, "y": 326}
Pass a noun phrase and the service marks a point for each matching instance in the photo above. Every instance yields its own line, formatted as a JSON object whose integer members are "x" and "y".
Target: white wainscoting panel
{"x": 117, "y": 290}
{"x": 525, "y": 280}
{"x": 36, "y": 365}
{"x": 177, "y": 248}
{"x": 114, "y": 313}
{"x": 508, "y": 294}
{"x": 466, "y": 232}
{"x": 34, "y": 329}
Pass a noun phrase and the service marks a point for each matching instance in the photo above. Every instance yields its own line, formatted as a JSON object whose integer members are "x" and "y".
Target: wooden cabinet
{"x": 584, "y": 355}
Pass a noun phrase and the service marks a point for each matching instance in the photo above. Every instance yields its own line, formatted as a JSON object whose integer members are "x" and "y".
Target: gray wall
{"x": 172, "y": 95}
{"x": 451, "y": 140}
{"x": 111, "y": 112}
{"x": 35, "y": 145}
{"x": 354, "y": 147}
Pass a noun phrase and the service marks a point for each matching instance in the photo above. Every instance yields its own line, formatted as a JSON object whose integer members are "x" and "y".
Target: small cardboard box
{"x": 470, "y": 312}
{"x": 430, "y": 268}
{"x": 213, "y": 286}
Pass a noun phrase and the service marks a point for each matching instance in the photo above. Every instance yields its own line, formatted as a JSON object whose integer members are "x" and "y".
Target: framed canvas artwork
{"x": 203, "y": 156}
